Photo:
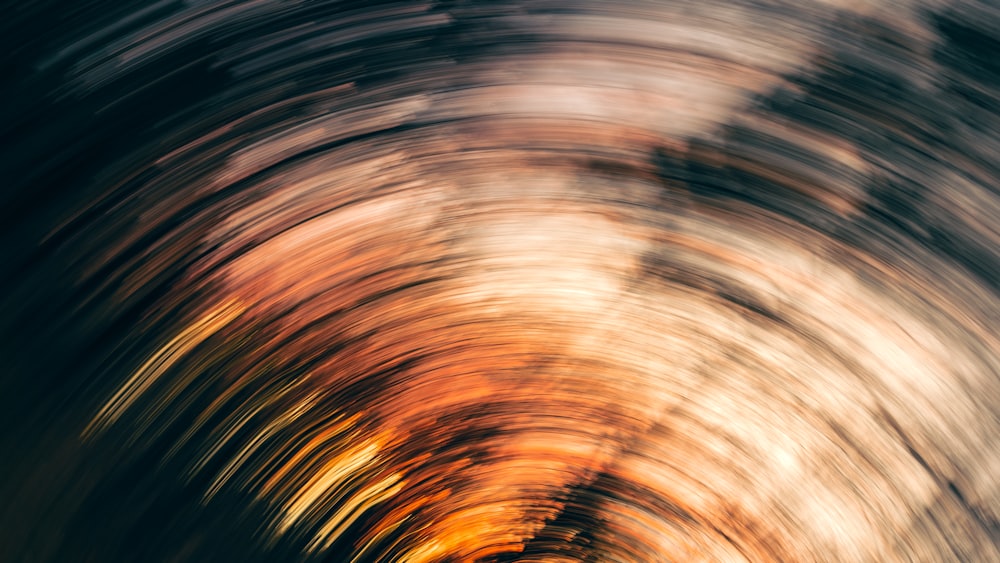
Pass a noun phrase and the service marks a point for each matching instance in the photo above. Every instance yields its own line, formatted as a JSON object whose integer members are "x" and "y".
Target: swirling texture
{"x": 493, "y": 281}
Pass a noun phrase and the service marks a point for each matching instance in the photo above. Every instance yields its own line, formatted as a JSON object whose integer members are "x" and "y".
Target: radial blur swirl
{"x": 526, "y": 280}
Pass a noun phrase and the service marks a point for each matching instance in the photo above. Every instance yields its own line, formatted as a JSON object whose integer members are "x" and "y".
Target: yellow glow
{"x": 160, "y": 362}
{"x": 333, "y": 473}
{"x": 354, "y": 508}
